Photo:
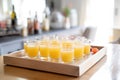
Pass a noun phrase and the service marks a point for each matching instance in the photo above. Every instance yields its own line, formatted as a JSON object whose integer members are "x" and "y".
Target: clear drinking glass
{"x": 32, "y": 49}
{"x": 78, "y": 49}
{"x": 44, "y": 48}
{"x": 87, "y": 47}
{"x": 25, "y": 43}
{"x": 54, "y": 49}
{"x": 67, "y": 51}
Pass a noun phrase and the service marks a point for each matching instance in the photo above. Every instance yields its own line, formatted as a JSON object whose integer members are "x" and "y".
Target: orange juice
{"x": 67, "y": 55}
{"x": 67, "y": 51}
{"x": 54, "y": 52}
{"x": 33, "y": 51}
{"x": 54, "y": 49}
{"x": 44, "y": 48}
{"x": 86, "y": 49}
{"x": 78, "y": 52}
{"x": 44, "y": 51}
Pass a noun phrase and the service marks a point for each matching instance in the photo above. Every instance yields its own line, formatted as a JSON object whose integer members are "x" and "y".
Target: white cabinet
{"x": 11, "y": 46}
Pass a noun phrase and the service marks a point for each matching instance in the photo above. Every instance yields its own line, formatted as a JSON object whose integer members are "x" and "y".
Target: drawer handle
{"x": 19, "y": 49}
{"x": 9, "y": 52}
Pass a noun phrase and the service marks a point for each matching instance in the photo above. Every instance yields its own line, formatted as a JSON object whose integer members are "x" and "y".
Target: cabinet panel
{"x": 14, "y": 46}
{"x": 0, "y": 51}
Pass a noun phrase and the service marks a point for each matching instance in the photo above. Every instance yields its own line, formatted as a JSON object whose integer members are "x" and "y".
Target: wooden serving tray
{"x": 74, "y": 69}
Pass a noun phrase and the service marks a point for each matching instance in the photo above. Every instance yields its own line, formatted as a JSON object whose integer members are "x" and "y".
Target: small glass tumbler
{"x": 54, "y": 49}
{"x": 44, "y": 49}
{"x": 67, "y": 54}
{"x": 25, "y": 47}
{"x": 78, "y": 49}
{"x": 87, "y": 47}
{"x": 67, "y": 51}
{"x": 32, "y": 49}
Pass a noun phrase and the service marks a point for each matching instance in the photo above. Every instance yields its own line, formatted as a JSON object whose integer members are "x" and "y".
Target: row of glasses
{"x": 57, "y": 49}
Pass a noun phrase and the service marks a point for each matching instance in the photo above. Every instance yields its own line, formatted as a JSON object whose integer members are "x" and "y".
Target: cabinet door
{"x": 0, "y": 51}
{"x": 11, "y": 46}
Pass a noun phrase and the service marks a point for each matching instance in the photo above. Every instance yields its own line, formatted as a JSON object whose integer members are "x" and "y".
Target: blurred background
{"x": 58, "y": 14}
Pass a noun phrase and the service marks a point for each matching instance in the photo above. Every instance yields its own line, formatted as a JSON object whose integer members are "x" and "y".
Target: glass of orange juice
{"x": 44, "y": 49}
{"x": 32, "y": 49}
{"x": 25, "y": 47}
{"x": 87, "y": 47}
{"x": 67, "y": 54}
{"x": 67, "y": 51}
{"x": 54, "y": 49}
{"x": 78, "y": 50}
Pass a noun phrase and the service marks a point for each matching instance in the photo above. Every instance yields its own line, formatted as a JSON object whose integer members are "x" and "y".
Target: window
{"x": 100, "y": 14}
{"x": 27, "y": 8}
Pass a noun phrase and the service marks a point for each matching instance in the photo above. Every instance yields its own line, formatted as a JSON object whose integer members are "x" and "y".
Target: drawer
{"x": 5, "y": 49}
